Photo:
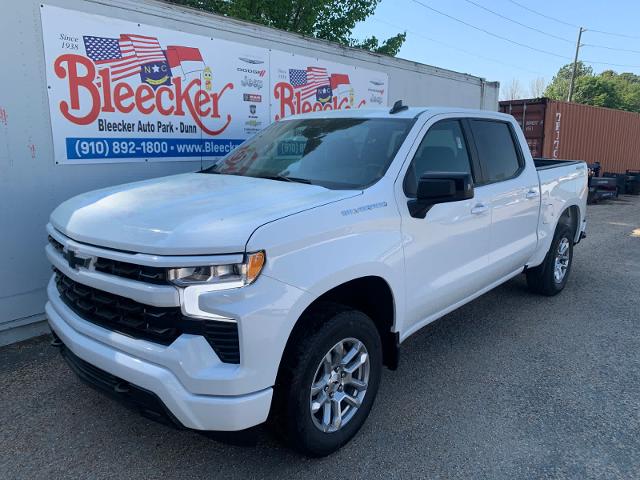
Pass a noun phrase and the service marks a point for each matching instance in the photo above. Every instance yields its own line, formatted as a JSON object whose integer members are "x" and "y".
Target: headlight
{"x": 226, "y": 276}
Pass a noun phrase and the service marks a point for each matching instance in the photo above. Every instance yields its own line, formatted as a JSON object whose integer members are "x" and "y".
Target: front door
{"x": 446, "y": 253}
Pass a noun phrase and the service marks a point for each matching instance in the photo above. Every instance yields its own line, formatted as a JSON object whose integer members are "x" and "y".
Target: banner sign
{"x": 304, "y": 84}
{"x": 124, "y": 91}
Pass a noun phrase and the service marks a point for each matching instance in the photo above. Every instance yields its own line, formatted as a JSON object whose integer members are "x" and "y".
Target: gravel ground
{"x": 510, "y": 386}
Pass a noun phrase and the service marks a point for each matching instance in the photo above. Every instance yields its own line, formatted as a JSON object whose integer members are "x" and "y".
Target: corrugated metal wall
{"x": 579, "y": 132}
{"x": 582, "y": 132}
{"x": 531, "y": 117}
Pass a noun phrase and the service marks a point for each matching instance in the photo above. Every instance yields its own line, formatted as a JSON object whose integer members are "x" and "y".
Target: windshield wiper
{"x": 284, "y": 178}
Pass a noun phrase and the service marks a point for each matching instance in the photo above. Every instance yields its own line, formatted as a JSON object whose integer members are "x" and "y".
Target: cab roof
{"x": 410, "y": 112}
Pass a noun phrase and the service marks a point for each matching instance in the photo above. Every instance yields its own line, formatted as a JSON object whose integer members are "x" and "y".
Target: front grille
{"x": 56, "y": 244}
{"x": 156, "y": 324}
{"x": 141, "y": 273}
{"x": 119, "y": 313}
{"x": 132, "y": 271}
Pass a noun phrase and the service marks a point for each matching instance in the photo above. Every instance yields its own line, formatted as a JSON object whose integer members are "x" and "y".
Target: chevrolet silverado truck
{"x": 276, "y": 284}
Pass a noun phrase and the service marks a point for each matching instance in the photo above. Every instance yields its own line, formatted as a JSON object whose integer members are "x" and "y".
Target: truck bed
{"x": 545, "y": 163}
{"x": 561, "y": 181}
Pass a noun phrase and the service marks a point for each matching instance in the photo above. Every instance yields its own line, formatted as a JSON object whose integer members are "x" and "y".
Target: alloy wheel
{"x": 339, "y": 385}
{"x": 561, "y": 263}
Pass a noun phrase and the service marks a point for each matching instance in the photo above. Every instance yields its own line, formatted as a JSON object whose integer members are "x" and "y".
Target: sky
{"x": 546, "y": 43}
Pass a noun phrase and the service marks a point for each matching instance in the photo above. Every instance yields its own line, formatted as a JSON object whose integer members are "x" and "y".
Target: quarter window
{"x": 443, "y": 149}
{"x": 496, "y": 150}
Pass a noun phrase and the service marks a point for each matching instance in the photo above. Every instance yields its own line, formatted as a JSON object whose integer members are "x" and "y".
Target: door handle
{"x": 479, "y": 209}
{"x": 531, "y": 194}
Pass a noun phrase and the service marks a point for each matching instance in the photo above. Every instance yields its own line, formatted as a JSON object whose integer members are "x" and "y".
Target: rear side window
{"x": 443, "y": 149}
{"x": 496, "y": 150}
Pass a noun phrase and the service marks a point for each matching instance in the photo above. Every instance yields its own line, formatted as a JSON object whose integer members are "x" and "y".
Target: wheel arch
{"x": 372, "y": 295}
{"x": 571, "y": 216}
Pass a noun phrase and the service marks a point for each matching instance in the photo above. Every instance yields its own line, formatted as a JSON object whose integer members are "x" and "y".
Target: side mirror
{"x": 441, "y": 187}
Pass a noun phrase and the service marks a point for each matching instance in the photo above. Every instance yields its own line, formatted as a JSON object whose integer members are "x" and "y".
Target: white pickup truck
{"x": 277, "y": 283}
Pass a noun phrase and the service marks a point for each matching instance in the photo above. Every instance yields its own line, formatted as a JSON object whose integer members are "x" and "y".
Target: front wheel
{"x": 550, "y": 277}
{"x": 327, "y": 388}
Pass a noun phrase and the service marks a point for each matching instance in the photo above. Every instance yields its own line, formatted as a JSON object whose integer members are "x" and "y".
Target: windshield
{"x": 336, "y": 153}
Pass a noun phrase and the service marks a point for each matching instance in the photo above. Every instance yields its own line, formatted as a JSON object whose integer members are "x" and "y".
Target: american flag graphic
{"x": 123, "y": 55}
{"x": 308, "y": 81}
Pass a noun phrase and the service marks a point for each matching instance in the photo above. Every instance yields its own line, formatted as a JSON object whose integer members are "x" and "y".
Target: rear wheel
{"x": 550, "y": 277}
{"x": 328, "y": 385}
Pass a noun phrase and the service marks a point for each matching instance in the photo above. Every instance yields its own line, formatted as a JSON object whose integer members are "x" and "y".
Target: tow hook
{"x": 56, "y": 342}
{"x": 121, "y": 387}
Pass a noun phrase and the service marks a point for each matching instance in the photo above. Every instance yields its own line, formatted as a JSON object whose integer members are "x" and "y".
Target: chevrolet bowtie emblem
{"x": 74, "y": 261}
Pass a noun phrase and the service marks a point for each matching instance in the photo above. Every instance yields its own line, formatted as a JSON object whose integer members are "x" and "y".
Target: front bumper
{"x": 145, "y": 402}
{"x": 200, "y": 388}
{"x": 200, "y": 412}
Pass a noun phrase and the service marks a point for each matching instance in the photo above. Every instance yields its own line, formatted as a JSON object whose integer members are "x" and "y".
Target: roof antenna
{"x": 398, "y": 107}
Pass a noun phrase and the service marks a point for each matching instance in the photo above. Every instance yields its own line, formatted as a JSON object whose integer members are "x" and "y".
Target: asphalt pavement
{"x": 512, "y": 385}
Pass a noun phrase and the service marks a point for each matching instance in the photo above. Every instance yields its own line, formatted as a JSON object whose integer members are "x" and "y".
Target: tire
{"x": 326, "y": 326}
{"x": 544, "y": 279}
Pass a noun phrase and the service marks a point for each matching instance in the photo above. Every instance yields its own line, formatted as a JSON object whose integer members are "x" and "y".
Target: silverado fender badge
{"x": 364, "y": 208}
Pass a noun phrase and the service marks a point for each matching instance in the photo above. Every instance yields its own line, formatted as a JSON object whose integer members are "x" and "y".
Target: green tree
{"x": 629, "y": 77}
{"x": 331, "y": 20}
{"x": 606, "y": 89}
{"x": 391, "y": 46}
{"x": 628, "y": 87}
{"x": 599, "y": 91}
{"x": 558, "y": 89}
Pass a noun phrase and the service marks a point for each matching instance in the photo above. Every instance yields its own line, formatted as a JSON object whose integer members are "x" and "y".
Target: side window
{"x": 496, "y": 151}
{"x": 443, "y": 149}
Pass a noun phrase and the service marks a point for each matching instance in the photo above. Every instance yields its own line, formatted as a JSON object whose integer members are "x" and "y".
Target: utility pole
{"x": 575, "y": 64}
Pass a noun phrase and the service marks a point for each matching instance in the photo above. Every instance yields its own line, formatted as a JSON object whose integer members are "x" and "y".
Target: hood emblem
{"x": 75, "y": 261}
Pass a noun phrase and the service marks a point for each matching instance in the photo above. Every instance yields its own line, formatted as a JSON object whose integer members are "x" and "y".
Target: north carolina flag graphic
{"x": 184, "y": 60}
{"x": 338, "y": 79}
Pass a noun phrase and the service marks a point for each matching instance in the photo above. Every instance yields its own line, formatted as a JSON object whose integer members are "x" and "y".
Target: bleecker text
{"x": 176, "y": 100}
{"x": 291, "y": 102}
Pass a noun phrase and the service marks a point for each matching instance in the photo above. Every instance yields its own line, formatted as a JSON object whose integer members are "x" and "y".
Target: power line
{"x": 610, "y": 48}
{"x": 489, "y": 32}
{"x": 453, "y": 47}
{"x": 553, "y": 35}
{"x": 543, "y": 15}
{"x": 614, "y": 34}
{"x": 519, "y": 23}
{"x": 592, "y": 30}
{"x": 610, "y": 64}
{"x": 451, "y": 17}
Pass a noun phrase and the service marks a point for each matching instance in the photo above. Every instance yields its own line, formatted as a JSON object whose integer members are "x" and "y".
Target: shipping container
{"x": 572, "y": 131}
{"x": 43, "y": 159}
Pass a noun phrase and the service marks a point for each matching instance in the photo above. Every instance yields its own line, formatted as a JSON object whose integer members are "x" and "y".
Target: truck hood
{"x": 186, "y": 214}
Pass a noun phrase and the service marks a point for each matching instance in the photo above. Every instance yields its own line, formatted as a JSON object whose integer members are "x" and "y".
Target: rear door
{"x": 513, "y": 190}
{"x": 446, "y": 253}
